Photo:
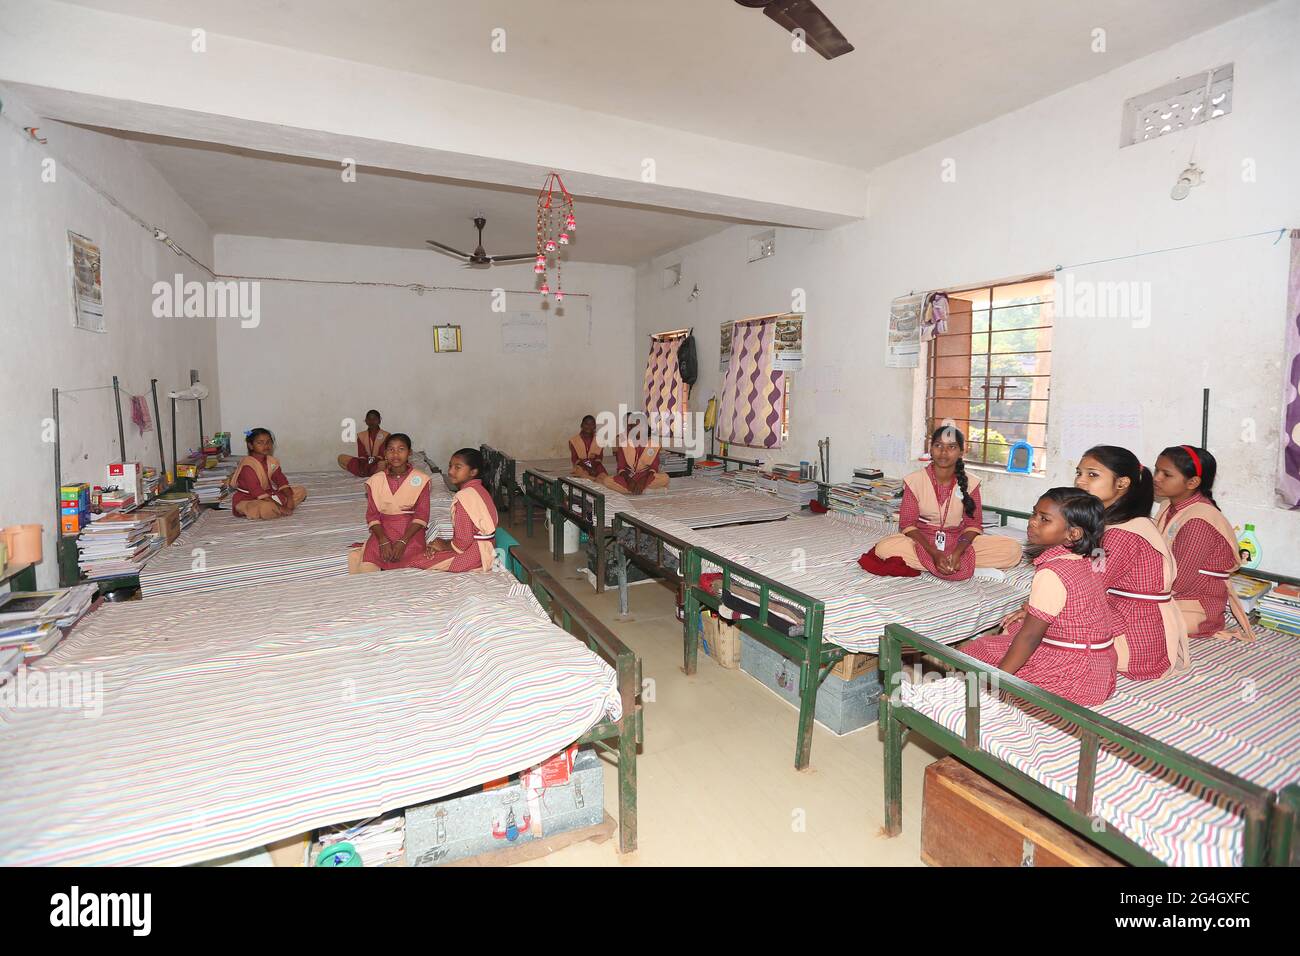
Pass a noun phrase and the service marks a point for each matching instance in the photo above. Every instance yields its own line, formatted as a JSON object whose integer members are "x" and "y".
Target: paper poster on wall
{"x": 523, "y": 332}
{"x": 903, "y": 349}
{"x": 725, "y": 350}
{"x": 87, "y": 283}
{"x": 1099, "y": 423}
{"x": 787, "y": 345}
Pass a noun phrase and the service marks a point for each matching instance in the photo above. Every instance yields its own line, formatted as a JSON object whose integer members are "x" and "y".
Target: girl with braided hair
{"x": 941, "y": 521}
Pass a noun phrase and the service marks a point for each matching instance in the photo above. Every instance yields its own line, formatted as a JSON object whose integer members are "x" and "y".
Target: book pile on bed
{"x": 710, "y": 469}
{"x": 116, "y": 545}
{"x": 745, "y": 478}
{"x": 784, "y": 482}
{"x": 211, "y": 486}
{"x": 868, "y": 493}
{"x": 1249, "y": 590}
{"x": 27, "y": 637}
{"x": 1279, "y": 609}
{"x": 672, "y": 462}
{"x": 186, "y": 503}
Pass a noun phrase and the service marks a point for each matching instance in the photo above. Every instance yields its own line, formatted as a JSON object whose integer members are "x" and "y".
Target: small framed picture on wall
{"x": 446, "y": 338}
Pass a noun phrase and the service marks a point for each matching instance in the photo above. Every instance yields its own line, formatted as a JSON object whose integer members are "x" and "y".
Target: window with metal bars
{"x": 990, "y": 373}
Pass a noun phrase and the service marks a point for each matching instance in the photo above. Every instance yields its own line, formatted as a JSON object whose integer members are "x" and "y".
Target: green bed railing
{"x": 1270, "y": 819}
{"x": 805, "y": 647}
{"x": 617, "y": 738}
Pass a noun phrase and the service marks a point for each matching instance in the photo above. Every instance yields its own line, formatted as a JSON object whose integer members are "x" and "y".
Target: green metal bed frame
{"x": 585, "y": 507}
{"x": 620, "y": 738}
{"x": 1270, "y": 837}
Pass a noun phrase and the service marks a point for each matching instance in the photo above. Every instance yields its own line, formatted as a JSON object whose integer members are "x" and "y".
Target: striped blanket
{"x": 232, "y": 720}
{"x": 818, "y": 556}
{"x": 693, "y": 503}
{"x": 1238, "y": 708}
{"x": 222, "y": 553}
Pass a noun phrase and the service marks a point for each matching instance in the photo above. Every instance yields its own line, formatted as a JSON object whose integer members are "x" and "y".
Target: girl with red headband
{"x": 1200, "y": 538}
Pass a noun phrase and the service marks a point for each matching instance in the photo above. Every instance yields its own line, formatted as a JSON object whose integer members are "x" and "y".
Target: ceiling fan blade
{"x": 518, "y": 258}
{"x": 454, "y": 252}
{"x": 819, "y": 33}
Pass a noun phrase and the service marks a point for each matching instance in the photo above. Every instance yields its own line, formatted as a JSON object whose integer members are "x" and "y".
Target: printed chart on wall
{"x": 523, "y": 332}
{"x": 787, "y": 344}
{"x": 903, "y": 349}
{"x": 724, "y": 361}
{"x": 1099, "y": 423}
{"x": 87, "y": 283}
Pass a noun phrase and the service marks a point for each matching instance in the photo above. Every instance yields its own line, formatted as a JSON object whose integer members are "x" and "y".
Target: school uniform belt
{"x": 1080, "y": 647}
{"x": 485, "y": 537}
{"x": 1214, "y": 574}
{"x": 1162, "y": 598}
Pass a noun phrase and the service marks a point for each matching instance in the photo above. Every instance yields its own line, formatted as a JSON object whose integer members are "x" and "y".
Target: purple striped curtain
{"x": 753, "y": 394}
{"x": 665, "y": 393}
{"x": 1288, "y": 478}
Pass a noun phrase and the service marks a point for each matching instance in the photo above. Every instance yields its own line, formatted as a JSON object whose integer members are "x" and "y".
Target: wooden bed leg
{"x": 627, "y": 783}
{"x": 893, "y": 768}
{"x": 690, "y": 631}
{"x": 807, "y": 711}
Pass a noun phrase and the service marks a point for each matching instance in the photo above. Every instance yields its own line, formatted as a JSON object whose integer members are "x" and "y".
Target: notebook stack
{"x": 211, "y": 485}
{"x": 672, "y": 462}
{"x": 1279, "y": 609}
{"x": 25, "y": 637}
{"x": 1249, "y": 590}
{"x": 187, "y": 503}
{"x": 784, "y": 482}
{"x": 710, "y": 469}
{"x": 869, "y": 493}
{"x": 151, "y": 482}
{"x": 116, "y": 545}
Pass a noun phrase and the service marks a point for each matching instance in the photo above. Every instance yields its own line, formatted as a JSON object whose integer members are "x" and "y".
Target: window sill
{"x": 991, "y": 470}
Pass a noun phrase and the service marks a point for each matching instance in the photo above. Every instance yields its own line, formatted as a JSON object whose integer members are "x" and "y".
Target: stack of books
{"x": 1279, "y": 609}
{"x": 116, "y": 500}
{"x": 151, "y": 481}
{"x": 784, "y": 482}
{"x": 672, "y": 462}
{"x": 188, "y": 504}
{"x": 1249, "y": 590}
{"x": 868, "y": 493}
{"x": 27, "y": 637}
{"x": 116, "y": 545}
{"x": 211, "y": 486}
{"x": 709, "y": 469}
{"x": 379, "y": 842}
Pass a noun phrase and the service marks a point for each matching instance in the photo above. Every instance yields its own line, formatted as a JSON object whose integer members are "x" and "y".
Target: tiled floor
{"x": 716, "y": 779}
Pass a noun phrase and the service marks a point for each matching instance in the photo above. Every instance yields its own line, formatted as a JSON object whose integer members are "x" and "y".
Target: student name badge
{"x": 941, "y": 540}
{"x": 415, "y": 481}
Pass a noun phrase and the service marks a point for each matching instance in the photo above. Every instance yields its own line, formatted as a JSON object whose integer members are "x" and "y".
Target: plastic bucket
{"x": 24, "y": 542}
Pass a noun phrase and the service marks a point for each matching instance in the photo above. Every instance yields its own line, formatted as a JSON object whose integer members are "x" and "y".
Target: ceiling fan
{"x": 818, "y": 31}
{"x": 478, "y": 257}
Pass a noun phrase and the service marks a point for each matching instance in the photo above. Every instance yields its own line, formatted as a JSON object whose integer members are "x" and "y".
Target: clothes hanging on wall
{"x": 140, "y": 416}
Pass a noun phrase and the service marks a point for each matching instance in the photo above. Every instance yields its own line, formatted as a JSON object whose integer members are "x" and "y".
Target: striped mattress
{"x": 693, "y": 503}
{"x": 222, "y": 553}
{"x": 1238, "y": 708}
{"x": 230, "y": 720}
{"x": 818, "y": 555}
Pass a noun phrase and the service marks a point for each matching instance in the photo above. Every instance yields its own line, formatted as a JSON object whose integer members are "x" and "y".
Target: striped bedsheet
{"x": 335, "y": 485}
{"x": 693, "y": 503}
{"x": 818, "y": 555}
{"x": 236, "y": 719}
{"x": 1238, "y": 708}
{"x": 547, "y": 467}
{"x": 221, "y": 553}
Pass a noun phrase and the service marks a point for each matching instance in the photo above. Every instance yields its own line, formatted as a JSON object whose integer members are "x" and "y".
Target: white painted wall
{"x": 323, "y": 353}
{"x": 1044, "y": 186}
{"x": 39, "y": 347}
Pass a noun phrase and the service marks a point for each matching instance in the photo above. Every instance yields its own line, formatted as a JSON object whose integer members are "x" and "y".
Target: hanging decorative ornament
{"x": 555, "y": 227}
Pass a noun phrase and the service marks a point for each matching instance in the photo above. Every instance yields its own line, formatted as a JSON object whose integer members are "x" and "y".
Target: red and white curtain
{"x": 753, "y": 393}
{"x": 665, "y": 393}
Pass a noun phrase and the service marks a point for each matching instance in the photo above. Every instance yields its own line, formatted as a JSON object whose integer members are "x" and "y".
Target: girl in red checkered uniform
{"x": 1150, "y": 634}
{"x": 1200, "y": 537}
{"x": 1063, "y": 639}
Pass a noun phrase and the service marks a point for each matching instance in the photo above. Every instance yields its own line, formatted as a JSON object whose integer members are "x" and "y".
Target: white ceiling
{"x": 259, "y": 194}
{"x": 923, "y": 70}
